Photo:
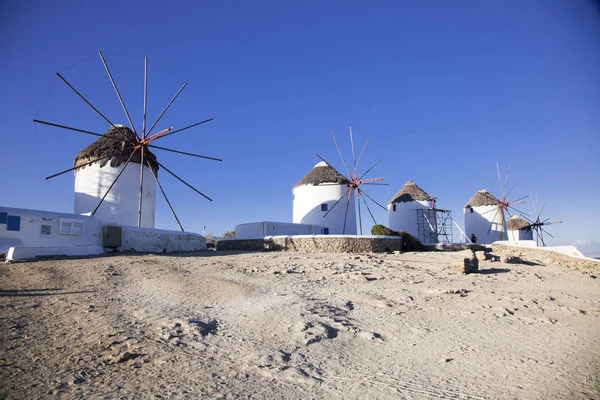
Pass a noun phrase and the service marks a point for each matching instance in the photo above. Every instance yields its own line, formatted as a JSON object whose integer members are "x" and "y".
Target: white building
{"x": 26, "y": 234}
{"x": 403, "y": 214}
{"x": 484, "y": 218}
{"x": 254, "y": 230}
{"x": 316, "y": 194}
{"x": 518, "y": 229}
{"x": 122, "y": 202}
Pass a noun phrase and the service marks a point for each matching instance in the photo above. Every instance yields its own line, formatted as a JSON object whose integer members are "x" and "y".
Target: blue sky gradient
{"x": 443, "y": 89}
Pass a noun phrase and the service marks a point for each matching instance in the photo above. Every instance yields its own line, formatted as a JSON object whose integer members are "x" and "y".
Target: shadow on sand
{"x": 492, "y": 271}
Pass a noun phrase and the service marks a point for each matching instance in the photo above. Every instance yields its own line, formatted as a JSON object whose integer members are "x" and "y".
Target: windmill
{"x": 485, "y": 218}
{"x": 504, "y": 204}
{"x": 538, "y": 224}
{"x": 128, "y": 145}
{"x": 354, "y": 182}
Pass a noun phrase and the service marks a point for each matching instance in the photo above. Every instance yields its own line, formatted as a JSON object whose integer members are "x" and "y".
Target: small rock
{"x": 511, "y": 259}
{"x": 467, "y": 265}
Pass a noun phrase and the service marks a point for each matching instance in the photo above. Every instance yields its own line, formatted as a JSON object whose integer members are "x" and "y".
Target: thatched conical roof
{"x": 322, "y": 173}
{"x": 119, "y": 150}
{"x": 482, "y": 198}
{"x": 410, "y": 192}
{"x": 516, "y": 223}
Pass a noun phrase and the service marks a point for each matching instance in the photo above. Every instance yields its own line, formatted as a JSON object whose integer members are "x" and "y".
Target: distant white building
{"x": 518, "y": 229}
{"x": 403, "y": 214}
{"x": 92, "y": 181}
{"x": 316, "y": 194}
{"x": 484, "y": 218}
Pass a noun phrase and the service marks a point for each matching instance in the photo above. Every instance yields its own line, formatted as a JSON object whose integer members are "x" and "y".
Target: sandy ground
{"x": 297, "y": 326}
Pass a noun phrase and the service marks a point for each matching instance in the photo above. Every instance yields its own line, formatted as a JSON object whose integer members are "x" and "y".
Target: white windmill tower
{"x": 518, "y": 229}
{"x": 116, "y": 176}
{"x": 485, "y": 221}
{"x": 316, "y": 194}
{"x": 405, "y": 208}
{"x": 121, "y": 205}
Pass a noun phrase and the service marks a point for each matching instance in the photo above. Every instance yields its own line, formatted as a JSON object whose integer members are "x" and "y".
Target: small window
{"x": 65, "y": 227}
{"x": 325, "y": 230}
{"x": 3, "y": 217}
{"x": 394, "y": 207}
{"x": 71, "y": 227}
{"x": 471, "y": 210}
{"x": 46, "y": 230}
{"x": 324, "y": 207}
{"x": 13, "y": 223}
{"x": 77, "y": 228}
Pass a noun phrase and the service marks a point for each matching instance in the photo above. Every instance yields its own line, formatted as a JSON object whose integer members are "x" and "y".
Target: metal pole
{"x": 359, "y": 216}
{"x": 164, "y": 195}
{"x": 78, "y": 166}
{"x": 368, "y": 208}
{"x": 374, "y": 165}
{"x": 145, "y": 96}
{"x": 346, "y": 213}
{"x": 361, "y": 153}
{"x": 113, "y": 184}
{"x": 187, "y": 127}
{"x": 84, "y": 99}
{"x": 353, "y": 154}
{"x": 340, "y": 153}
{"x": 141, "y": 186}
{"x": 184, "y": 182}
{"x": 82, "y": 131}
{"x": 183, "y": 152}
{"x": 370, "y": 198}
{"x": 336, "y": 203}
{"x": 166, "y": 108}
{"x": 117, "y": 91}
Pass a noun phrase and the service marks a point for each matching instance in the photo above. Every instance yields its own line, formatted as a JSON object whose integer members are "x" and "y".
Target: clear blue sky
{"x": 444, "y": 89}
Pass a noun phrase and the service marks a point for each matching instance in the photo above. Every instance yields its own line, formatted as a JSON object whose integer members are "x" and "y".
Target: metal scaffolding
{"x": 434, "y": 225}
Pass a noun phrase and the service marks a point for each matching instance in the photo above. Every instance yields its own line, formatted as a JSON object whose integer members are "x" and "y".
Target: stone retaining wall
{"x": 455, "y": 247}
{"x": 315, "y": 244}
{"x": 547, "y": 257}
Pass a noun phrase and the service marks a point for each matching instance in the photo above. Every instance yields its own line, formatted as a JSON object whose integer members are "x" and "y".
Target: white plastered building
{"x": 484, "y": 218}
{"x": 121, "y": 205}
{"x": 316, "y": 194}
{"x": 518, "y": 229}
{"x": 403, "y": 214}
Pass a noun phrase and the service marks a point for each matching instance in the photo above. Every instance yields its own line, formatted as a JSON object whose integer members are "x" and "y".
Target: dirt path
{"x": 297, "y": 326}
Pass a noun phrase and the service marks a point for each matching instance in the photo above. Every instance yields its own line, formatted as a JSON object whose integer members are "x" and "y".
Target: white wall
{"x": 307, "y": 207}
{"x": 160, "y": 241}
{"x": 29, "y": 234}
{"x": 520, "y": 234}
{"x": 268, "y": 228}
{"x": 121, "y": 205}
{"x": 405, "y": 219}
{"x": 481, "y": 219}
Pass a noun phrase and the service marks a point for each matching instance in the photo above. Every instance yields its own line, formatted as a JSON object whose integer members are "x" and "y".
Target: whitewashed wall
{"x": 520, "y": 234}
{"x": 405, "y": 218}
{"x": 307, "y": 208}
{"x": 479, "y": 222}
{"x": 121, "y": 205}
{"x": 160, "y": 241}
{"x": 30, "y": 235}
{"x": 268, "y": 228}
